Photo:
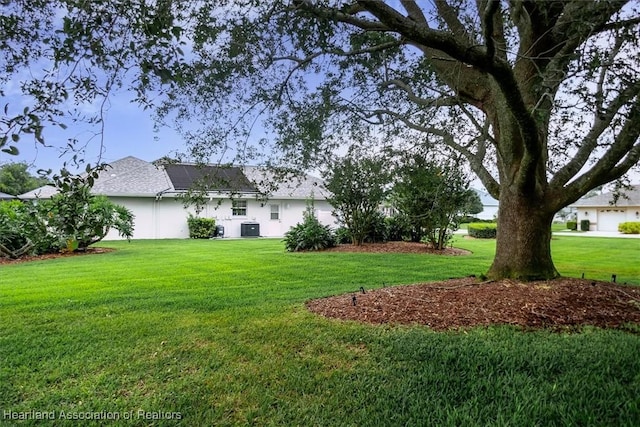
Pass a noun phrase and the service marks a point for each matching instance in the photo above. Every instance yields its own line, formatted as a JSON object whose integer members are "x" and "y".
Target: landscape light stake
{"x": 583, "y": 274}
{"x": 362, "y": 289}
{"x": 353, "y": 299}
{"x": 613, "y": 278}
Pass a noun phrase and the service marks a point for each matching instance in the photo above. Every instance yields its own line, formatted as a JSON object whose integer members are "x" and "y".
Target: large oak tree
{"x": 541, "y": 97}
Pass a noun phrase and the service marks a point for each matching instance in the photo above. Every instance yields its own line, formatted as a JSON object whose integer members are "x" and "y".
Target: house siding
{"x": 166, "y": 217}
{"x": 607, "y": 218}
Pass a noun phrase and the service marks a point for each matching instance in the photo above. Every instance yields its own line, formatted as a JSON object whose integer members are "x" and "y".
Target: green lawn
{"x": 216, "y": 333}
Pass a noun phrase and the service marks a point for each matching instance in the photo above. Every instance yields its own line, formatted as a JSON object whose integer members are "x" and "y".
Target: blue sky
{"x": 128, "y": 131}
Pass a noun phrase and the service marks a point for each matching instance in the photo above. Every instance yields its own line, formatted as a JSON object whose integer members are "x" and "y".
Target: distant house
{"x": 5, "y": 196}
{"x": 489, "y": 205}
{"x": 605, "y": 216}
{"x": 246, "y": 201}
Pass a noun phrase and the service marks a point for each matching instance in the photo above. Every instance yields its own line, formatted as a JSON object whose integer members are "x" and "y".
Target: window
{"x": 275, "y": 211}
{"x": 239, "y": 208}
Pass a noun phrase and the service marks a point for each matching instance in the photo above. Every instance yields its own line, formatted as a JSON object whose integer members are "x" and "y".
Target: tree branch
{"x": 443, "y": 101}
{"x": 474, "y": 160}
{"x": 488, "y": 14}
{"x": 414, "y": 11}
{"x": 590, "y": 141}
{"x": 623, "y": 154}
{"x": 450, "y": 17}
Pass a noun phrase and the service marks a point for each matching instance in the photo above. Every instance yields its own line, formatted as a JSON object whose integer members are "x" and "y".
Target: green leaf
{"x": 12, "y": 150}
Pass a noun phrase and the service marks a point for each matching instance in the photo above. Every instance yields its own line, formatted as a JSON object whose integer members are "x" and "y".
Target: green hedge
{"x": 629, "y": 227}
{"x": 483, "y": 230}
{"x": 584, "y": 225}
{"x": 572, "y": 225}
{"x": 201, "y": 228}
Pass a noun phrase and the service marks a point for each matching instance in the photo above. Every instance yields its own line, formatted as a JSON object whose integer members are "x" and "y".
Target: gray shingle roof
{"x": 632, "y": 199}
{"x": 132, "y": 177}
{"x": 5, "y": 196}
{"x": 296, "y": 188}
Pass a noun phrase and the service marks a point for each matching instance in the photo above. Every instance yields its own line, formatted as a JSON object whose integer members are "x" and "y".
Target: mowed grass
{"x": 216, "y": 333}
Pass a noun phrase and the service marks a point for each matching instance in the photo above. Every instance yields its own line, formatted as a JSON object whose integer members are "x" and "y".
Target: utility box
{"x": 250, "y": 229}
{"x": 219, "y": 231}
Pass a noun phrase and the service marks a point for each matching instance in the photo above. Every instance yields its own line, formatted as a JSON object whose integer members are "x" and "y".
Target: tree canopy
{"x": 15, "y": 179}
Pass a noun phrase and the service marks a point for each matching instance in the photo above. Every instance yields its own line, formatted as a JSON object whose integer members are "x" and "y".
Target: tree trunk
{"x": 523, "y": 246}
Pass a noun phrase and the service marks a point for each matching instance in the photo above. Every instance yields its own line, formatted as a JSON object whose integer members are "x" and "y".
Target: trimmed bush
{"x": 200, "y": 228}
{"x": 572, "y": 225}
{"x": 584, "y": 225}
{"x": 629, "y": 227}
{"x": 483, "y": 230}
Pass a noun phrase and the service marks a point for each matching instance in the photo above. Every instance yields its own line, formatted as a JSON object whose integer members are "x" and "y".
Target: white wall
{"x": 166, "y": 218}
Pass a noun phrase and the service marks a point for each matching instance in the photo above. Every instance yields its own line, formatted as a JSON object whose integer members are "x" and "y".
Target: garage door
{"x": 608, "y": 219}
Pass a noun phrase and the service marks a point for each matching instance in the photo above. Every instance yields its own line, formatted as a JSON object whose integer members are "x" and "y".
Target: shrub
{"x": 398, "y": 228}
{"x": 483, "y": 230}
{"x": 23, "y": 230}
{"x": 572, "y": 225}
{"x": 629, "y": 227}
{"x": 584, "y": 225}
{"x": 79, "y": 219}
{"x": 342, "y": 236}
{"x": 310, "y": 235}
{"x": 377, "y": 228}
{"x": 200, "y": 228}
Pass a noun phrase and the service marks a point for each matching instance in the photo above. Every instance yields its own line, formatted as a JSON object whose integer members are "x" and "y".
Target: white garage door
{"x": 608, "y": 219}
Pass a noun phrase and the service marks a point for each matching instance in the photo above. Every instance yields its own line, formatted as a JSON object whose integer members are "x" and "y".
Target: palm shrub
{"x": 310, "y": 235}
{"x": 342, "y": 236}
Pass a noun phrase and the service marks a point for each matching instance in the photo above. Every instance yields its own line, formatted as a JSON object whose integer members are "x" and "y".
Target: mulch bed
{"x": 462, "y": 303}
{"x": 560, "y": 304}
{"x": 397, "y": 247}
{"x": 88, "y": 251}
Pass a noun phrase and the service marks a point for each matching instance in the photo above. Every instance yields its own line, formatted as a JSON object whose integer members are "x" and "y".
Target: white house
{"x": 257, "y": 207}
{"x": 604, "y": 215}
{"x": 489, "y": 205}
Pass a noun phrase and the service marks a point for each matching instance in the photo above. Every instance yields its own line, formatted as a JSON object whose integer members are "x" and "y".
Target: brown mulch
{"x": 462, "y": 303}
{"x": 88, "y": 251}
{"x": 397, "y": 247}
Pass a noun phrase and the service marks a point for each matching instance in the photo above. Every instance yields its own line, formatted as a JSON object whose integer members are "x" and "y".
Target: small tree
{"x": 80, "y": 219}
{"x": 358, "y": 186}
{"x": 430, "y": 195}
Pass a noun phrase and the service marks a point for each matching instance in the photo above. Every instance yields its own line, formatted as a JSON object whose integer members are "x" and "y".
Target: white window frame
{"x": 239, "y": 208}
{"x": 276, "y": 212}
